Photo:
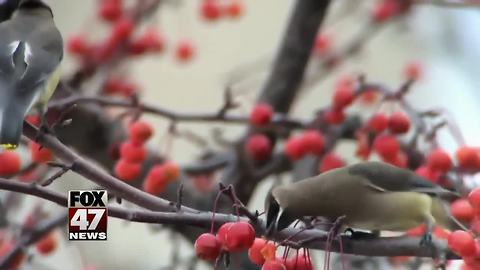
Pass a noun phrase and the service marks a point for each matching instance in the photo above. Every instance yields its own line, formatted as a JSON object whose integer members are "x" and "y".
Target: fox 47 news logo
{"x": 87, "y": 215}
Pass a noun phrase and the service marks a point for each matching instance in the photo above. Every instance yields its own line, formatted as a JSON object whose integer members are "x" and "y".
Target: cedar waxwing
{"x": 371, "y": 196}
{"x": 31, "y": 49}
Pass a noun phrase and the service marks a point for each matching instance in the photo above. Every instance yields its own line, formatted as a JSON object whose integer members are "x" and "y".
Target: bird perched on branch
{"x": 369, "y": 195}
{"x": 31, "y": 49}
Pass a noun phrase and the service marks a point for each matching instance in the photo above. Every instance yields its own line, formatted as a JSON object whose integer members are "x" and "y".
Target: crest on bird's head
{"x": 33, "y": 4}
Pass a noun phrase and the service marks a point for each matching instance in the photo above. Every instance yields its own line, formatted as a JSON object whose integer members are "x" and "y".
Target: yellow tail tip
{"x": 9, "y": 146}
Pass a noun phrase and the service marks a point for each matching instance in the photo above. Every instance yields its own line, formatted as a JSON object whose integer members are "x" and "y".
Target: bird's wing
{"x": 387, "y": 178}
{"x": 8, "y": 45}
{"x": 42, "y": 55}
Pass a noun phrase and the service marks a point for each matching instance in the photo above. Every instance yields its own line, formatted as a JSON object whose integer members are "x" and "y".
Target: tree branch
{"x": 315, "y": 239}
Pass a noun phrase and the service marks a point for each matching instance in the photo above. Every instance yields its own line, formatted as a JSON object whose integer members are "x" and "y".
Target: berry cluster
{"x": 231, "y": 237}
{"x": 258, "y": 146}
{"x": 240, "y": 236}
{"x": 212, "y": 10}
{"x": 121, "y": 35}
{"x": 309, "y": 142}
{"x": 343, "y": 96}
{"x": 133, "y": 152}
{"x": 160, "y": 176}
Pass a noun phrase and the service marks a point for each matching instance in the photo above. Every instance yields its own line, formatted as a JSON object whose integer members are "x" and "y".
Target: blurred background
{"x": 237, "y": 53}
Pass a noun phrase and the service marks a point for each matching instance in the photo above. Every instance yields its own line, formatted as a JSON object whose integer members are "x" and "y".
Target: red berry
{"x": 343, "y": 96}
{"x": 313, "y": 141}
{"x": 5, "y": 248}
{"x": 330, "y": 161}
{"x": 47, "y": 244}
{"x": 378, "y": 123}
{"x": 222, "y": 233}
{"x": 258, "y": 147}
{"x": 368, "y": 97}
{"x": 207, "y": 247}
{"x": 10, "y": 163}
{"x": 150, "y": 40}
{"x": 210, "y": 10}
{"x": 334, "y": 116}
{"x": 139, "y": 132}
{"x": 112, "y": 85}
{"x": 465, "y": 266}
{"x": 299, "y": 262}
{"x": 363, "y": 145}
{"x": 462, "y": 243}
{"x": 385, "y": 10}
{"x": 137, "y": 47}
{"x": 40, "y": 154}
{"x": 474, "y": 197}
{"x": 239, "y": 237}
{"x": 110, "y": 10}
{"x": 427, "y": 173}
{"x": 184, "y": 51}
{"x": 128, "y": 89}
{"x": 233, "y": 9}
{"x": 462, "y": 210}
{"x": 259, "y": 249}
{"x": 203, "y": 183}
{"x": 322, "y": 44}
{"x": 439, "y": 160}
{"x": 413, "y": 71}
{"x": 468, "y": 158}
{"x": 156, "y": 180}
{"x": 131, "y": 152}
{"x": 416, "y": 231}
{"x": 261, "y": 114}
{"x": 171, "y": 171}
{"x": 399, "y": 123}
{"x": 386, "y": 146}
{"x": 127, "y": 171}
{"x": 33, "y": 119}
{"x": 441, "y": 233}
{"x": 78, "y": 45}
{"x": 122, "y": 29}
{"x": 474, "y": 260}
{"x": 273, "y": 265}
{"x": 104, "y": 51}
{"x": 400, "y": 160}
{"x": 294, "y": 148}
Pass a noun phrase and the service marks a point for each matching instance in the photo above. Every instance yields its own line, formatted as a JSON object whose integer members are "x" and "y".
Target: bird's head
{"x": 278, "y": 218}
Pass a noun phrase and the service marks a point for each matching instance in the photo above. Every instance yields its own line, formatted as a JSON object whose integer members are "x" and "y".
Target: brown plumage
{"x": 371, "y": 196}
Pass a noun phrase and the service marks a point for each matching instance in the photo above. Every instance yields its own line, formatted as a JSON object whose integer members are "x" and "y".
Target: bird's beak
{"x": 272, "y": 209}
{"x": 277, "y": 218}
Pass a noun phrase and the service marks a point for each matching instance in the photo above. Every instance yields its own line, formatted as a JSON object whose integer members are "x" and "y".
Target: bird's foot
{"x": 356, "y": 235}
{"x": 42, "y": 130}
{"x": 44, "y": 127}
{"x": 426, "y": 240}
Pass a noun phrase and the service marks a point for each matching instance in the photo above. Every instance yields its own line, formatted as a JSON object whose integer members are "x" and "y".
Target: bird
{"x": 31, "y": 50}
{"x": 370, "y": 195}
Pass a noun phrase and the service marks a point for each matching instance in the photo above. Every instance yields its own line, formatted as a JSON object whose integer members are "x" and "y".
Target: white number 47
{"x": 80, "y": 218}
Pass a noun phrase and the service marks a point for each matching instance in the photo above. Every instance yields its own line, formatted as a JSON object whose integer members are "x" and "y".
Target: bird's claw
{"x": 426, "y": 240}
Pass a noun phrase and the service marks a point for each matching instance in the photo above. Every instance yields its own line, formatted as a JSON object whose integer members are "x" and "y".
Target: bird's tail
{"x": 11, "y": 124}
